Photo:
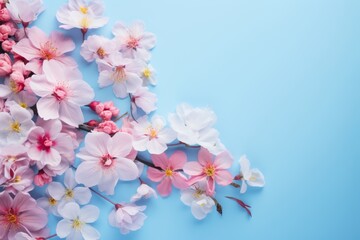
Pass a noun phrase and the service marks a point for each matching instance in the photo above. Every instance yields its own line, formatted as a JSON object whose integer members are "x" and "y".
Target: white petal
{"x": 89, "y": 214}
{"x": 70, "y": 211}
{"x": 82, "y": 195}
{"x": 69, "y": 179}
{"x": 56, "y": 190}
{"x": 89, "y": 233}
{"x": 63, "y": 228}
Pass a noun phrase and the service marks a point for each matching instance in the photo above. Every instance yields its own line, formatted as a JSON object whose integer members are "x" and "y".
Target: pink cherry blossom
{"x": 25, "y": 11}
{"x": 62, "y": 93}
{"x": 143, "y": 191}
{"x": 134, "y": 42}
{"x": 152, "y": 136}
{"x": 48, "y": 144}
{"x": 20, "y": 214}
{"x": 105, "y": 161}
{"x": 12, "y": 86}
{"x": 97, "y": 47}
{"x": 122, "y": 73}
{"x": 210, "y": 170}
{"x": 12, "y": 157}
{"x": 21, "y": 180}
{"x": 37, "y": 48}
{"x": 144, "y": 99}
{"x": 168, "y": 175}
{"x": 127, "y": 217}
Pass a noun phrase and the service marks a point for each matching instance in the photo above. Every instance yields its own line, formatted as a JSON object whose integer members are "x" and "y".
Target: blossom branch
{"x": 242, "y": 204}
{"x": 102, "y": 196}
{"x": 181, "y": 144}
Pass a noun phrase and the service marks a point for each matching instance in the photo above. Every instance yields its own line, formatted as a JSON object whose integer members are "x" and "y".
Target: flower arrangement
{"x": 43, "y": 133}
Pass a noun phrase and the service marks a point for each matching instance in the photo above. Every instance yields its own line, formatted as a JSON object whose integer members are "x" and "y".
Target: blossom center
{"x": 15, "y": 126}
{"x": 252, "y": 178}
{"x": 52, "y": 201}
{"x": 209, "y": 171}
{"x": 48, "y": 51}
{"x": 84, "y": 10}
{"x": 101, "y": 53}
{"x": 77, "y": 224}
{"x": 147, "y": 73}
{"x": 133, "y": 43}
{"x": 152, "y": 133}
{"x": 169, "y": 172}
{"x": 60, "y": 93}
{"x": 11, "y": 217}
{"x": 85, "y": 23}
{"x": 45, "y": 143}
{"x": 23, "y": 105}
{"x": 17, "y": 179}
{"x": 10, "y": 158}
{"x": 16, "y": 86}
{"x": 198, "y": 192}
{"x": 69, "y": 193}
{"x": 119, "y": 74}
{"x": 107, "y": 160}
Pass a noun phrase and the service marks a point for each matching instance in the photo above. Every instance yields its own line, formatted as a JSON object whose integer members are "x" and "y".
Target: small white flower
{"x": 252, "y": 177}
{"x": 75, "y": 225}
{"x": 15, "y": 125}
{"x": 194, "y": 126}
{"x": 148, "y": 75}
{"x": 69, "y": 192}
{"x": 153, "y": 136}
{"x": 127, "y": 217}
{"x": 143, "y": 191}
{"x": 195, "y": 197}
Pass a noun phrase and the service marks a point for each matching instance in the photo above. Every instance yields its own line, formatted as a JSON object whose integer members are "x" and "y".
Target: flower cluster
{"x": 42, "y": 99}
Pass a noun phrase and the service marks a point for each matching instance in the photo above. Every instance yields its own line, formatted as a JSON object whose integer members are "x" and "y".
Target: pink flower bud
{"x": 42, "y": 178}
{"x": 106, "y": 115}
{"x": 92, "y": 123}
{"x": 108, "y": 127}
{"x": 4, "y": 15}
{"x": 5, "y": 30}
{"x": 99, "y": 108}
{"x": 93, "y": 105}
{"x": 7, "y": 45}
{"x": 5, "y": 65}
{"x": 13, "y": 28}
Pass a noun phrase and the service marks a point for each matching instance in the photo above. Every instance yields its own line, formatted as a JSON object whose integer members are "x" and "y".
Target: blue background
{"x": 283, "y": 78}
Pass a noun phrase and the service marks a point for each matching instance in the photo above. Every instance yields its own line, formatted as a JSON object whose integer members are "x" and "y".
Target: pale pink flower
{"x": 122, "y": 73}
{"x": 20, "y": 214}
{"x": 210, "y": 170}
{"x": 21, "y": 180}
{"x": 24, "y": 11}
{"x": 97, "y": 47}
{"x": 11, "y": 87}
{"x": 62, "y": 94}
{"x": 15, "y": 125}
{"x": 24, "y": 99}
{"x": 92, "y": 7}
{"x": 143, "y": 191}
{"x": 168, "y": 175}
{"x": 252, "y": 177}
{"x": 148, "y": 75}
{"x": 152, "y": 136}
{"x": 5, "y": 65}
{"x": 108, "y": 127}
{"x": 105, "y": 161}
{"x": 144, "y": 99}
{"x": 47, "y": 143}
{"x": 134, "y": 42}
{"x": 75, "y": 223}
{"x": 38, "y": 48}
{"x": 127, "y": 217}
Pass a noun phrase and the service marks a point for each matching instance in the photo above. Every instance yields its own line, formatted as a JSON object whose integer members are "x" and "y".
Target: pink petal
{"x": 126, "y": 169}
{"x": 179, "y": 181}
{"x": 55, "y": 72}
{"x": 155, "y": 175}
{"x": 48, "y": 108}
{"x": 210, "y": 190}
{"x": 25, "y": 49}
{"x": 196, "y": 179}
{"x": 40, "y": 86}
{"x": 96, "y": 142}
{"x": 164, "y": 188}
{"x": 71, "y": 113}
{"x": 62, "y": 43}
{"x": 120, "y": 145}
{"x": 177, "y": 160}
{"x": 223, "y": 177}
{"x": 205, "y": 157}
{"x": 223, "y": 160}
{"x": 23, "y": 202}
{"x": 5, "y": 202}
{"x": 160, "y": 160}
{"x": 35, "y": 219}
{"x": 37, "y": 37}
{"x": 88, "y": 173}
{"x": 81, "y": 92}
{"x": 193, "y": 168}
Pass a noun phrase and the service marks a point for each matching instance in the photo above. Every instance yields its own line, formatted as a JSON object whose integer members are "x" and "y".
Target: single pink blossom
{"x": 21, "y": 180}
{"x": 47, "y": 143}
{"x": 25, "y": 11}
{"x": 210, "y": 170}
{"x": 168, "y": 175}
{"x": 105, "y": 161}
{"x": 127, "y": 217}
{"x": 12, "y": 157}
{"x": 38, "y": 48}
{"x": 20, "y": 214}
{"x": 97, "y": 47}
{"x": 134, "y": 42}
{"x": 5, "y": 65}
{"x": 62, "y": 94}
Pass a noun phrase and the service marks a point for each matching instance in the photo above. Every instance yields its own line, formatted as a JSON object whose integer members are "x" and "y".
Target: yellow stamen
{"x": 84, "y": 10}
{"x": 15, "y": 126}
{"x": 152, "y": 133}
{"x": 85, "y": 23}
{"x": 69, "y": 193}
{"x": 198, "y": 193}
{"x": 147, "y": 73}
{"x": 209, "y": 171}
{"x": 119, "y": 74}
{"x": 11, "y": 218}
{"x": 23, "y": 105}
{"x": 13, "y": 86}
{"x": 101, "y": 53}
{"x": 168, "y": 172}
{"x": 77, "y": 224}
{"x": 17, "y": 179}
{"x": 52, "y": 201}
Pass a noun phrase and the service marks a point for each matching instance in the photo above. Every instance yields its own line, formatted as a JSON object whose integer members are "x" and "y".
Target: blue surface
{"x": 283, "y": 78}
